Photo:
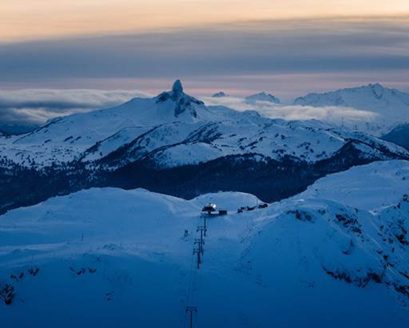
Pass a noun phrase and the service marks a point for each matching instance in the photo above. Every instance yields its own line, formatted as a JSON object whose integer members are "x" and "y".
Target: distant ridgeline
{"x": 175, "y": 144}
{"x": 399, "y": 135}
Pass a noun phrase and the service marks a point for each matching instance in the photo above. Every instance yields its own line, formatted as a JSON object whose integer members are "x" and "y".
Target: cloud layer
{"x": 348, "y": 116}
{"x": 23, "y": 110}
{"x": 304, "y": 52}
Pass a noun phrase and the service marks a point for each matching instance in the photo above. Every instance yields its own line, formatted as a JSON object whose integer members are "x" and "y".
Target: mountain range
{"x": 102, "y": 220}
{"x": 389, "y": 107}
{"x": 174, "y": 144}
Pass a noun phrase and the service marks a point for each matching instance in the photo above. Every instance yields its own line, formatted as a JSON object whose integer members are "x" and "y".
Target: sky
{"x": 285, "y": 47}
{"x": 33, "y": 19}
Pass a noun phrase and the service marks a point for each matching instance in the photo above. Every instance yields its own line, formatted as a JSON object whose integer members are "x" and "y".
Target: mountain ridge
{"x": 175, "y": 144}
{"x": 392, "y": 104}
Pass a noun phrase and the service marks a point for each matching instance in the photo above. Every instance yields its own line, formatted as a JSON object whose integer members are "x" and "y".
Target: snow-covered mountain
{"x": 262, "y": 96}
{"x": 336, "y": 255}
{"x": 175, "y": 144}
{"x": 391, "y": 104}
{"x": 172, "y": 127}
{"x": 334, "y": 250}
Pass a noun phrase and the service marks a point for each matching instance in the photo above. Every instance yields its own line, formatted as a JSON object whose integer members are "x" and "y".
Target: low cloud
{"x": 347, "y": 116}
{"x": 22, "y": 110}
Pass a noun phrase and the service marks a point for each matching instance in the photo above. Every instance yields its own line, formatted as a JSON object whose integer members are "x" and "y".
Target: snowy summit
{"x": 391, "y": 104}
{"x": 262, "y": 96}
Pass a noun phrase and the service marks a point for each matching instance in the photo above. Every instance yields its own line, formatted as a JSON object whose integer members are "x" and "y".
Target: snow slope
{"x": 365, "y": 187}
{"x": 115, "y": 258}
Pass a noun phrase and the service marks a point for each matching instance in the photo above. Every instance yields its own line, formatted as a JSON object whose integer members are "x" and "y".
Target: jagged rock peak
{"x": 183, "y": 102}
{"x": 219, "y": 94}
{"x": 177, "y": 87}
{"x": 376, "y": 85}
{"x": 175, "y": 93}
{"x": 377, "y": 89}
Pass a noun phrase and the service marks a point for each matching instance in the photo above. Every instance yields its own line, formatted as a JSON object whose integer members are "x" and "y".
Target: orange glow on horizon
{"x": 38, "y": 19}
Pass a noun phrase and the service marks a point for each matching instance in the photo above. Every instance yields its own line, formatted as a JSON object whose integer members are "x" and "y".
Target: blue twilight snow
{"x": 109, "y": 257}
